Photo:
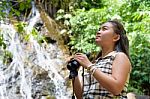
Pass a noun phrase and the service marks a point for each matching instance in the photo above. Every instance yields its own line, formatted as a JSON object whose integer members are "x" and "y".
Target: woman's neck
{"x": 106, "y": 51}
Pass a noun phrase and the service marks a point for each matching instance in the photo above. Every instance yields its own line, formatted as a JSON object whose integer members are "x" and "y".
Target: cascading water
{"x": 30, "y": 62}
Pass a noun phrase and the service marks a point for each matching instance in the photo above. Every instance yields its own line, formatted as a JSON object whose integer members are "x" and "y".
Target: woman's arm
{"x": 120, "y": 70}
{"x": 77, "y": 87}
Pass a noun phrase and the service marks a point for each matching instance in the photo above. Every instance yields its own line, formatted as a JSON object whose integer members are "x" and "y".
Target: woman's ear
{"x": 116, "y": 37}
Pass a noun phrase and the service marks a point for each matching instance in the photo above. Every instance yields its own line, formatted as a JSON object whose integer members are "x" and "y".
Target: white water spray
{"x": 19, "y": 63}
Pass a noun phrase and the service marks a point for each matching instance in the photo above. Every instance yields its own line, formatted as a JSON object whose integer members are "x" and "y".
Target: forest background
{"x": 79, "y": 20}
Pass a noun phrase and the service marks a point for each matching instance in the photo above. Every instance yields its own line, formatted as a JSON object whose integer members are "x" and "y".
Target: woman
{"x": 107, "y": 77}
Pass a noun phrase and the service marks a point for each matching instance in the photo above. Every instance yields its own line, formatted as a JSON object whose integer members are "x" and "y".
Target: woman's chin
{"x": 97, "y": 40}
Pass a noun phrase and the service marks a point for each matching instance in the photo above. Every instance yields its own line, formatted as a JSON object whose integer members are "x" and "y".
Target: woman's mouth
{"x": 98, "y": 37}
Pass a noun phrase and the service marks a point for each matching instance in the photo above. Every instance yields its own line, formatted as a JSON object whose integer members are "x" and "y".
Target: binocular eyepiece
{"x": 73, "y": 66}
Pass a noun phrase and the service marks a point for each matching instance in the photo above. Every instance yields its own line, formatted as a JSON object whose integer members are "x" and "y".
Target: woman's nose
{"x": 98, "y": 32}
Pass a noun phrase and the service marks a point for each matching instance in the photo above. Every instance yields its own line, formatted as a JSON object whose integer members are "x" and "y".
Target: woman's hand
{"x": 82, "y": 59}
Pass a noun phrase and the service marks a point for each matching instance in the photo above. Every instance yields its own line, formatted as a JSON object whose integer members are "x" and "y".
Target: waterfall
{"x": 17, "y": 79}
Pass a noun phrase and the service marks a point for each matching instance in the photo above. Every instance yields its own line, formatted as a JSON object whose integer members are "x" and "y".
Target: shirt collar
{"x": 109, "y": 54}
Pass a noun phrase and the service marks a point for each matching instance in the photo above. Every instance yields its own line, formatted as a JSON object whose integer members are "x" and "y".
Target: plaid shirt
{"x": 93, "y": 90}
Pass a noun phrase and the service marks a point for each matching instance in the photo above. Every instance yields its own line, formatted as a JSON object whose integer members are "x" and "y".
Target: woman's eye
{"x": 104, "y": 28}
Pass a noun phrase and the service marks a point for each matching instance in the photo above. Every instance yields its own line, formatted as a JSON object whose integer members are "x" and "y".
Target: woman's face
{"x": 105, "y": 34}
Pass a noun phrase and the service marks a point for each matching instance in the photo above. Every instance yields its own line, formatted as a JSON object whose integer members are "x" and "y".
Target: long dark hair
{"x": 122, "y": 45}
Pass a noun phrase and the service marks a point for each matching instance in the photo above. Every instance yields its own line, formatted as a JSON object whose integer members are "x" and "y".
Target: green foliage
{"x": 7, "y": 57}
{"x": 24, "y": 5}
{"x": 20, "y": 27}
{"x": 37, "y": 36}
{"x": 13, "y": 8}
{"x": 138, "y": 25}
{"x": 2, "y": 44}
{"x": 84, "y": 27}
{"x": 3, "y": 6}
{"x": 20, "y": 7}
{"x": 88, "y": 4}
{"x": 21, "y": 30}
{"x": 26, "y": 36}
{"x": 140, "y": 52}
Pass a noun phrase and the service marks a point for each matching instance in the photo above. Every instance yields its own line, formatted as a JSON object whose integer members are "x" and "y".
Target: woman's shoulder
{"x": 123, "y": 59}
{"x": 121, "y": 55}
